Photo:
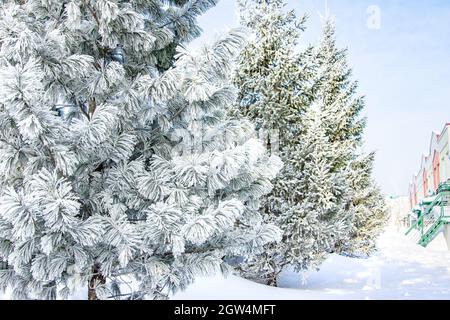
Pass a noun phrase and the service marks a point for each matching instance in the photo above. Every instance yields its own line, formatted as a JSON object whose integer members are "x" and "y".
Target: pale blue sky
{"x": 403, "y": 69}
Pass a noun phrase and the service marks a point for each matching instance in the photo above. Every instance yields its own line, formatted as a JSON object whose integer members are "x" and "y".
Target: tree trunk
{"x": 276, "y": 269}
{"x": 272, "y": 279}
{"x": 96, "y": 279}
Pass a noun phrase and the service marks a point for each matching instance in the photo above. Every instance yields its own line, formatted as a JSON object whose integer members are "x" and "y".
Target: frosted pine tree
{"x": 317, "y": 215}
{"x": 114, "y": 166}
{"x": 345, "y": 127}
{"x": 270, "y": 73}
{"x": 371, "y": 211}
{"x": 277, "y": 91}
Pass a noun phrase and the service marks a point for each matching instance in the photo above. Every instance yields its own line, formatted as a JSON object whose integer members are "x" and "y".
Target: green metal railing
{"x": 428, "y": 225}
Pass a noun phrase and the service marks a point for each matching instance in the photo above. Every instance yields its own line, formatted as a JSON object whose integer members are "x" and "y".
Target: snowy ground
{"x": 400, "y": 270}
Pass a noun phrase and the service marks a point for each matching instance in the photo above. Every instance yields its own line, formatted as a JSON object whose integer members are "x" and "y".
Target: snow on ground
{"x": 400, "y": 269}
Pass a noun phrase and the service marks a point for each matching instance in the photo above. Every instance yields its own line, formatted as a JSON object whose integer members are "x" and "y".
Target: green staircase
{"x": 430, "y": 223}
{"x": 432, "y": 232}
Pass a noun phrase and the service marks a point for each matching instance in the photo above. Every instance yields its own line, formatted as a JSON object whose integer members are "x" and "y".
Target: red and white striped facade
{"x": 434, "y": 168}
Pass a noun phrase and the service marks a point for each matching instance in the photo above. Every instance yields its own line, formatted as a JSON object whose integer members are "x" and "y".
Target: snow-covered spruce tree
{"x": 345, "y": 129}
{"x": 111, "y": 167}
{"x": 318, "y": 215}
{"x": 277, "y": 91}
{"x": 371, "y": 211}
{"x": 270, "y": 74}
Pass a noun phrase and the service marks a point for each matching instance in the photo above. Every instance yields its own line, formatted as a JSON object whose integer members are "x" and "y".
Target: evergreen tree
{"x": 270, "y": 76}
{"x": 304, "y": 103}
{"x": 112, "y": 166}
{"x": 317, "y": 215}
{"x": 371, "y": 211}
{"x": 277, "y": 91}
{"x": 345, "y": 129}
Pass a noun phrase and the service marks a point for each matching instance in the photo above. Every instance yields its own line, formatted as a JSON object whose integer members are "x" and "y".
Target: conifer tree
{"x": 303, "y": 100}
{"x": 277, "y": 92}
{"x": 117, "y": 157}
{"x": 317, "y": 215}
{"x": 371, "y": 212}
{"x": 345, "y": 128}
{"x": 270, "y": 75}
